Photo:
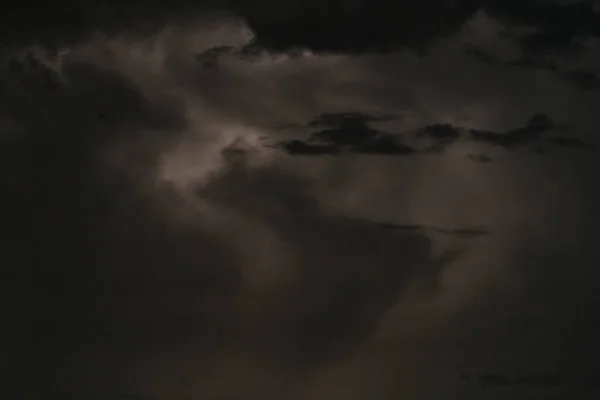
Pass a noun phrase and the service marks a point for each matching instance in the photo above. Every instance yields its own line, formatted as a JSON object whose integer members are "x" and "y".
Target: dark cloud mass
{"x": 351, "y": 134}
{"x": 299, "y": 200}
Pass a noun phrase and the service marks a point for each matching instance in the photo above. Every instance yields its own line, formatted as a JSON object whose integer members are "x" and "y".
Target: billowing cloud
{"x": 155, "y": 243}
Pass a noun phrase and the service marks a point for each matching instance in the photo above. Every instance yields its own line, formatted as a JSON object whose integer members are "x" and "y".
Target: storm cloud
{"x": 166, "y": 234}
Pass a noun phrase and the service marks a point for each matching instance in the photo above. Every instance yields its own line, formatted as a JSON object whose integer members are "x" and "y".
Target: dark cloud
{"x": 96, "y": 266}
{"x": 298, "y": 147}
{"x": 153, "y": 246}
{"x": 58, "y": 202}
{"x": 332, "y": 26}
{"x": 536, "y": 126}
{"x": 353, "y": 135}
{"x": 280, "y": 27}
{"x": 210, "y": 58}
{"x": 61, "y": 23}
{"x": 350, "y": 134}
{"x": 481, "y": 158}
{"x": 555, "y": 27}
{"x": 382, "y": 145}
{"x": 440, "y": 132}
{"x": 580, "y": 79}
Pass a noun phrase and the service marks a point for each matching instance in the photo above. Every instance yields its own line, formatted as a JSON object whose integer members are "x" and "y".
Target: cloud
{"x": 209, "y": 58}
{"x": 58, "y": 24}
{"x": 352, "y": 135}
{"x": 59, "y": 200}
{"x": 332, "y": 27}
{"x": 552, "y": 27}
{"x": 110, "y": 258}
{"x": 580, "y": 78}
{"x": 174, "y": 254}
{"x": 278, "y": 28}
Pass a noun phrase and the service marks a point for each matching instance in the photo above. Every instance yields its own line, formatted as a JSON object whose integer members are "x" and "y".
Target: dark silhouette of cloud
{"x": 480, "y": 158}
{"x": 95, "y": 266}
{"x": 555, "y": 27}
{"x": 347, "y": 132}
{"x": 440, "y": 132}
{"x": 331, "y": 27}
{"x": 382, "y": 145}
{"x": 558, "y": 27}
{"x": 352, "y": 135}
{"x": 579, "y": 78}
{"x": 63, "y": 23}
{"x": 298, "y": 147}
{"x": 59, "y": 200}
{"x": 531, "y": 132}
{"x": 210, "y": 58}
{"x": 102, "y": 265}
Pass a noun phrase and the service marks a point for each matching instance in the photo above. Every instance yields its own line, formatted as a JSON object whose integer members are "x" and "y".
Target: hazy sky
{"x": 300, "y": 200}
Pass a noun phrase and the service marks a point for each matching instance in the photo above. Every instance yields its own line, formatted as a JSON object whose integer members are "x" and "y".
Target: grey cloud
{"x": 272, "y": 270}
{"x": 331, "y": 306}
{"x": 98, "y": 267}
{"x": 58, "y": 200}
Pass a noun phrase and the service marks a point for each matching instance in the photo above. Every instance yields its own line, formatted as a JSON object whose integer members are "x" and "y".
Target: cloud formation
{"x": 352, "y": 135}
{"x": 156, "y": 245}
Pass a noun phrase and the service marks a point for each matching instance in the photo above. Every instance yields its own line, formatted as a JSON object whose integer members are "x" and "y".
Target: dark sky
{"x": 300, "y": 200}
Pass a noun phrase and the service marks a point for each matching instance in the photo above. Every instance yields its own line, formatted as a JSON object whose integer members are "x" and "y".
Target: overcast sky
{"x": 300, "y": 200}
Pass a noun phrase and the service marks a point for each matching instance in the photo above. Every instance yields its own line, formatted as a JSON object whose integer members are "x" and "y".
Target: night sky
{"x": 300, "y": 200}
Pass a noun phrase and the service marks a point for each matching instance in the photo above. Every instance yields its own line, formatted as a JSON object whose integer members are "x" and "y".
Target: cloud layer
{"x": 158, "y": 241}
